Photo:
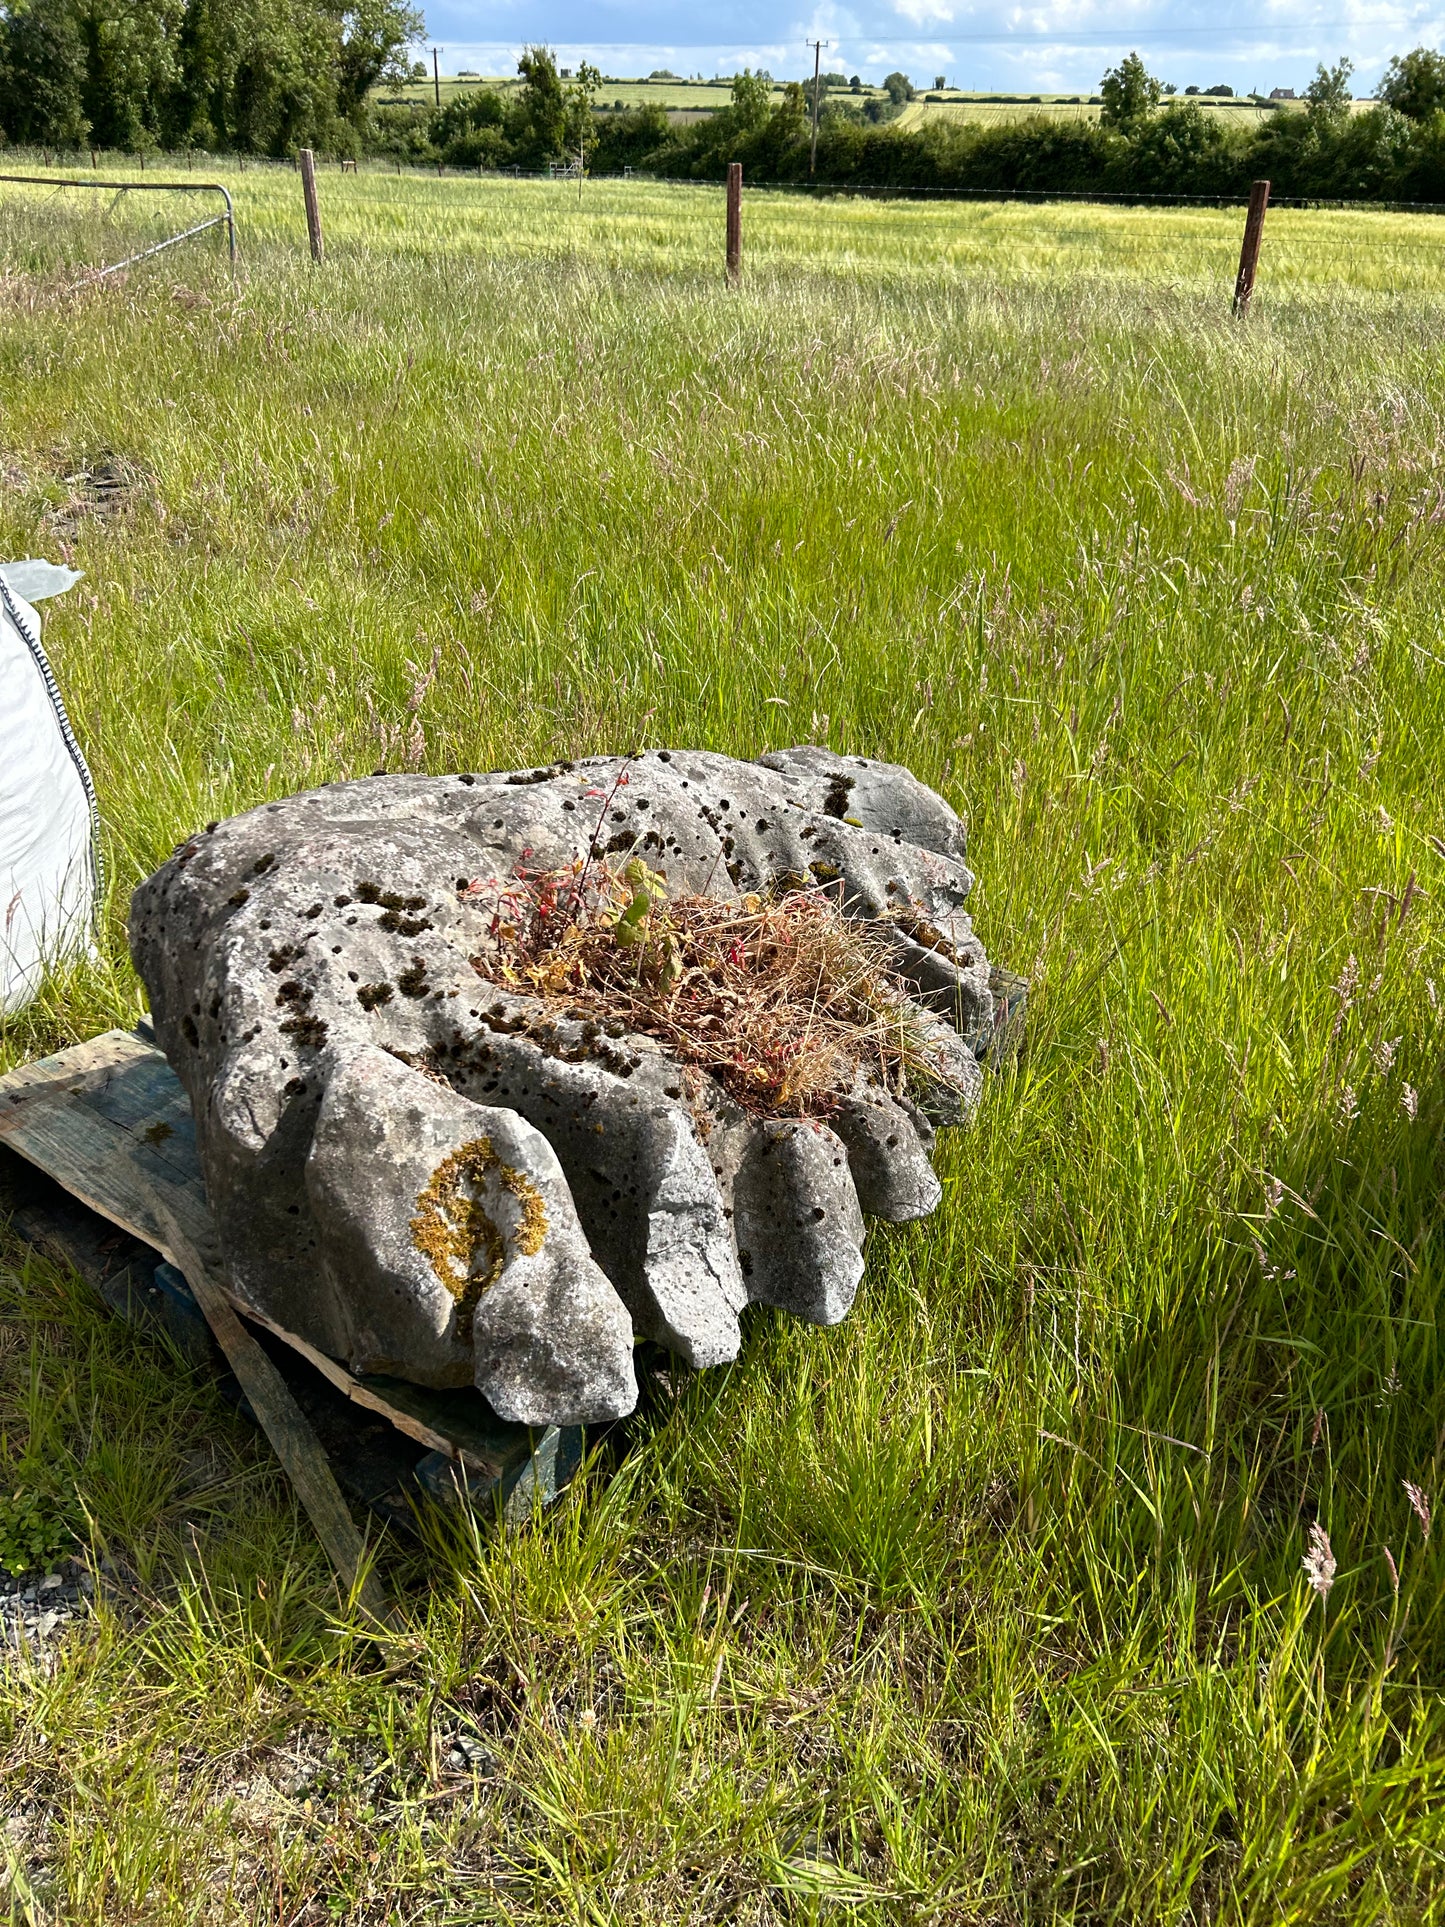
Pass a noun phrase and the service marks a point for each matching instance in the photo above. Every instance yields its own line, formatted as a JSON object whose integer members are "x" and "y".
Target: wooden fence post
{"x": 1249, "y": 252}
{"x": 313, "y": 206}
{"x": 735, "y": 221}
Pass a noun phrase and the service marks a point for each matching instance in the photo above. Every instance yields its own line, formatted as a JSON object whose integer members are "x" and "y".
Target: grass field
{"x": 692, "y": 96}
{"x": 988, "y": 1606}
{"x": 952, "y": 110}
{"x": 679, "y": 95}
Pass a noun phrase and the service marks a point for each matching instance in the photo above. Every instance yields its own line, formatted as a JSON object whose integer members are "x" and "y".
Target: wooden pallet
{"x": 110, "y": 1125}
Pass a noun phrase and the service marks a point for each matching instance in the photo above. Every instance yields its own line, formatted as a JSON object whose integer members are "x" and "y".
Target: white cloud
{"x": 921, "y": 12}
{"x": 1026, "y": 46}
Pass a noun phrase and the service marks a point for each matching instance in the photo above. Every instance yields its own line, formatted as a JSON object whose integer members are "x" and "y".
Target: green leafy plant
{"x": 35, "y": 1528}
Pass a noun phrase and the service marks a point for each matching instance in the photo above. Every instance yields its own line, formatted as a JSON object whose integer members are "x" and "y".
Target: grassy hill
{"x": 688, "y": 98}
{"x": 991, "y": 107}
{"x": 681, "y": 96}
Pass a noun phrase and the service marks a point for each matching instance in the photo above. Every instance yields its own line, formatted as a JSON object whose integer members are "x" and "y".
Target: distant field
{"x": 989, "y": 1605}
{"x": 696, "y": 97}
{"x": 673, "y": 94}
{"x": 981, "y": 107}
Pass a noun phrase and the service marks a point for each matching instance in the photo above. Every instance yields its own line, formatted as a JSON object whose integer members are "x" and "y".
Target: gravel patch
{"x": 36, "y": 1609}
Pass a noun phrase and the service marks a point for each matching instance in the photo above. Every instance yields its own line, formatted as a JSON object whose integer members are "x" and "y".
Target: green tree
{"x": 1329, "y": 94}
{"x": 1182, "y": 150}
{"x": 537, "y": 121}
{"x": 256, "y": 76}
{"x": 580, "y": 131}
{"x": 130, "y": 68}
{"x": 470, "y": 130}
{"x": 630, "y": 138}
{"x": 752, "y": 100}
{"x": 899, "y": 89}
{"x": 1414, "y": 84}
{"x": 791, "y": 111}
{"x": 282, "y": 91}
{"x": 373, "y": 37}
{"x": 197, "y": 92}
{"x": 1130, "y": 94}
{"x": 42, "y": 74}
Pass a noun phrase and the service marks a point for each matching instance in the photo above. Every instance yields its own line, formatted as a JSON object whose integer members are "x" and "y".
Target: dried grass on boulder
{"x": 783, "y": 1001}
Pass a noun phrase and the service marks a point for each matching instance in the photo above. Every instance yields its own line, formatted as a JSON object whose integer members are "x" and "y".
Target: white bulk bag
{"x": 49, "y": 860}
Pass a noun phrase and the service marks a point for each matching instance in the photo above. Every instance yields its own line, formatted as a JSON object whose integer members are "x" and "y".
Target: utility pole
{"x": 817, "y": 46}
{"x": 436, "y": 77}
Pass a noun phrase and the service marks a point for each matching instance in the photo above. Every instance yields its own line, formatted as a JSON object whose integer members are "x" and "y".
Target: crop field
{"x": 695, "y": 97}
{"x": 952, "y": 109}
{"x": 674, "y": 229}
{"x": 991, "y": 1604}
{"x": 702, "y": 95}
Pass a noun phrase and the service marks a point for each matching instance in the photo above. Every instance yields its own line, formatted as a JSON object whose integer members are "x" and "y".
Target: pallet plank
{"x": 100, "y": 1162}
{"x": 110, "y": 1121}
{"x": 284, "y": 1424}
{"x": 376, "y": 1465}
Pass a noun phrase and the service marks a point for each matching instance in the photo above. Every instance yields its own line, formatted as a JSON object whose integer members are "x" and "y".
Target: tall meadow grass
{"x": 991, "y": 1604}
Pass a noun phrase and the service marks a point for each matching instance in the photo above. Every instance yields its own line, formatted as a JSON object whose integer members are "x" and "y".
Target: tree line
{"x": 268, "y": 76}
{"x": 248, "y": 76}
{"x": 543, "y": 121}
{"x": 1142, "y": 143}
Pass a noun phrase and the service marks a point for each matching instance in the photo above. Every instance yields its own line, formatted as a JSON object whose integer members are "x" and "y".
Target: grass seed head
{"x": 1419, "y": 1505}
{"x": 1319, "y": 1562}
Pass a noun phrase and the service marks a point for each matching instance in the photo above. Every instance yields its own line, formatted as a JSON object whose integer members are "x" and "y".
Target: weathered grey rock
{"x": 799, "y": 1227}
{"x": 311, "y": 981}
{"x": 886, "y": 1158}
{"x": 450, "y": 1250}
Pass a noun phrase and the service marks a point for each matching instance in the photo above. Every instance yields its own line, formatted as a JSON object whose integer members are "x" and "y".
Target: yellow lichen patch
{"x": 453, "y": 1231}
{"x": 456, "y": 1234}
{"x": 532, "y": 1228}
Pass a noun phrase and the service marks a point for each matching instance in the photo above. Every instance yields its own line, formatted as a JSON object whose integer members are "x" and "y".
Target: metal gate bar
{"x": 142, "y": 187}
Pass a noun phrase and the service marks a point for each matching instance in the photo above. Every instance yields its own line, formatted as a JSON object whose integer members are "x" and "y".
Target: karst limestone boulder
{"x": 429, "y": 1176}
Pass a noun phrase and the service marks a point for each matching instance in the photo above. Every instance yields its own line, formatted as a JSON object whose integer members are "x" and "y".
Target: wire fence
{"x": 101, "y": 162}
{"x": 1041, "y": 196}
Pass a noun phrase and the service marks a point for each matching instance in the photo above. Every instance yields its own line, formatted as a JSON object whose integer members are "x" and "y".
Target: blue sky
{"x": 1063, "y": 45}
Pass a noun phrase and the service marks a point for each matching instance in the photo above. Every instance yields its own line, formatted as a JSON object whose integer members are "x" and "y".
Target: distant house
{"x": 1281, "y": 93}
